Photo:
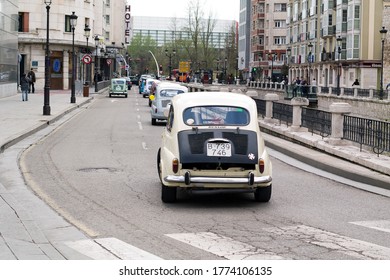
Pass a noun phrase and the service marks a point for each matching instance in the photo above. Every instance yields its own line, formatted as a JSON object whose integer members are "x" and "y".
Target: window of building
{"x": 68, "y": 28}
{"x": 280, "y": 7}
{"x": 279, "y": 40}
{"x": 108, "y": 3}
{"x": 280, "y": 24}
{"x": 23, "y": 22}
{"x": 108, "y": 19}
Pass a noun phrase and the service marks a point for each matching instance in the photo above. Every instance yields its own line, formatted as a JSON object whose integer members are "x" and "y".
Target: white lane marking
{"x": 382, "y": 225}
{"x": 139, "y": 117}
{"x": 144, "y": 146}
{"x": 113, "y": 100}
{"x": 109, "y": 249}
{"x": 124, "y": 250}
{"x": 338, "y": 243}
{"x": 223, "y": 246}
{"x": 140, "y": 125}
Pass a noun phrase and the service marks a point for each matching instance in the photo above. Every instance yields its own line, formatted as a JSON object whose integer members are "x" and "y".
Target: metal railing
{"x": 317, "y": 121}
{"x": 261, "y": 106}
{"x": 372, "y": 133}
{"x": 282, "y": 112}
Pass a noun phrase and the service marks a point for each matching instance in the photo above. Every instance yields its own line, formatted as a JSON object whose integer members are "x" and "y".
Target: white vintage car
{"x": 163, "y": 95}
{"x": 212, "y": 142}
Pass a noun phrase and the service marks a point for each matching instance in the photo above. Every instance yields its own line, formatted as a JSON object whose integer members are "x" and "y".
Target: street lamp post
{"x": 96, "y": 63}
{"x": 272, "y": 65}
{"x": 170, "y": 55}
{"x": 339, "y": 40}
{"x": 383, "y": 32}
{"x": 87, "y": 32}
{"x": 224, "y": 70}
{"x": 46, "y": 94}
{"x": 288, "y": 52}
{"x": 73, "y": 22}
{"x": 310, "y": 46}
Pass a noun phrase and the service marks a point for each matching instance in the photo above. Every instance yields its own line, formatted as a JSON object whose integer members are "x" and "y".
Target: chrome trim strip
{"x": 218, "y": 180}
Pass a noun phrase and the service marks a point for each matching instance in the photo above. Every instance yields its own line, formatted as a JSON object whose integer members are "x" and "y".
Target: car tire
{"x": 154, "y": 121}
{"x": 110, "y": 94}
{"x": 263, "y": 194}
{"x": 168, "y": 194}
{"x": 126, "y": 95}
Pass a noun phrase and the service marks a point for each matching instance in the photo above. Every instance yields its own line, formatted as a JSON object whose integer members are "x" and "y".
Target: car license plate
{"x": 219, "y": 150}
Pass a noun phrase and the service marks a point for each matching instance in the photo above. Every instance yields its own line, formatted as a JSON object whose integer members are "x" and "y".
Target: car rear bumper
{"x": 187, "y": 179}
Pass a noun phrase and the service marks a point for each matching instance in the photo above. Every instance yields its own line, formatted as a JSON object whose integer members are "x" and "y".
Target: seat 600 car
{"x": 212, "y": 142}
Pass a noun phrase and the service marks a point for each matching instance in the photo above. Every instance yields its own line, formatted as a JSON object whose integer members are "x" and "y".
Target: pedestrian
{"x": 356, "y": 83}
{"x": 31, "y": 77}
{"x": 24, "y": 86}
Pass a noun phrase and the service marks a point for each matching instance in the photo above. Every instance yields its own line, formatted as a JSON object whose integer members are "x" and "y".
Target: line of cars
{"x": 211, "y": 142}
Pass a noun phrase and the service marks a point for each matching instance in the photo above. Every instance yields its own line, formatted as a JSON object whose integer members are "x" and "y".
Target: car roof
{"x": 192, "y": 99}
{"x": 171, "y": 85}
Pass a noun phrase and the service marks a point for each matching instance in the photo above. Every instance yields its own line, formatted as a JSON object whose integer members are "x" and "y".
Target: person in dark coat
{"x": 31, "y": 77}
{"x": 24, "y": 86}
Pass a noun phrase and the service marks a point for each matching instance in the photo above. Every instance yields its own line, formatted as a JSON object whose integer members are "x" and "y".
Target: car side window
{"x": 170, "y": 118}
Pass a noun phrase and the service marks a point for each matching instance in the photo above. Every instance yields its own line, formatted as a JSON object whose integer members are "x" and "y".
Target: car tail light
{"x": 261, "y": 165}
{"x": 175, "y": 165}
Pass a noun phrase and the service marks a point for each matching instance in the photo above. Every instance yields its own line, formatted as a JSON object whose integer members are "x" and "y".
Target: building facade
{"x": 244, "y": 38}
{"x": 8, "y": 47}
{"x": 335, "y": 42}
{"x": 268, "y": 39}
{"x": 165, "y": 30}
{"x": 106, "y": 22}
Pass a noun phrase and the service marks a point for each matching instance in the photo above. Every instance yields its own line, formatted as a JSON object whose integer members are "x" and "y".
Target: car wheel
{"x": 126, "y": 95}
{"x": 110, "y": 94}
{"x": 168, "y": 194}
{"x": 154, "y": 121}
{"x": 263, "y": 194}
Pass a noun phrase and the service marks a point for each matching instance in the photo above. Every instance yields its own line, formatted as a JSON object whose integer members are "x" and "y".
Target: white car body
{"x": 212, "y": 142}
{"x": 165, "y": 91}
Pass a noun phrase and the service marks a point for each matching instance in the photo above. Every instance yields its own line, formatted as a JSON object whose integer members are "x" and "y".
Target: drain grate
{"x": 98, "y": 169}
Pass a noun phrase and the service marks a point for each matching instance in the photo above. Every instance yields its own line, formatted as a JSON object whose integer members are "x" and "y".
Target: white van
{"x": 162, "y": 97}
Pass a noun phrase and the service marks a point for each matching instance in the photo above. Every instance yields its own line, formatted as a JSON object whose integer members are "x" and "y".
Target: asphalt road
{"x": 98, "y": 170}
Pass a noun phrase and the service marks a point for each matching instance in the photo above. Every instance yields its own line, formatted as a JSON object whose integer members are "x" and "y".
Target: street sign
{"x": 87, "y": 59}
{"x": 184, "y": 66}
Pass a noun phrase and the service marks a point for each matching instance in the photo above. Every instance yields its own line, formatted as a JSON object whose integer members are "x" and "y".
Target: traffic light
{"x": 254, "y": 69}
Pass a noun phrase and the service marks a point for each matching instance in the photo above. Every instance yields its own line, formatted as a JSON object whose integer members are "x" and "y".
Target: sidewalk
{"x": 29, "y": 229}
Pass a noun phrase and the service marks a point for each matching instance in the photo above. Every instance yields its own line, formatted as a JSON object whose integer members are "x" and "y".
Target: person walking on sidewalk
{"x": 24, "y": 86}
{"x": 31, "y": 76}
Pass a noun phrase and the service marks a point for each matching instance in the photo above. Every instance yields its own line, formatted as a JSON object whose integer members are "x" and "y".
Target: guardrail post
{"x": 269, "y": 99}
{"x": 297, "y": 103}
{"x": 338, "y": 111}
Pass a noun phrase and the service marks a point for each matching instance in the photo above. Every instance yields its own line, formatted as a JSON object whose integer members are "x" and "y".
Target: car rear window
{"x": 170, "y": 92}
{"x": 118, "y": 82}
{"x": 216, "y": 115}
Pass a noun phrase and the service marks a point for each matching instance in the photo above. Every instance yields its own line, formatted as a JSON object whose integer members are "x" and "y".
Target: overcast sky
{"x": 221, "y": 9}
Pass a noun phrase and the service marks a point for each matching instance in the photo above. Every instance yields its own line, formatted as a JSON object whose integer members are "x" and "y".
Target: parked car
{"x": 128, "y": 82}
{"x": 212, "y": 142}
{"x": 162, "y": 97}
{"x": 118, "y": 87}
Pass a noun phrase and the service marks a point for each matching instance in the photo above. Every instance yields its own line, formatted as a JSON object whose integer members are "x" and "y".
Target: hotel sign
{"x": 127, "y": 24}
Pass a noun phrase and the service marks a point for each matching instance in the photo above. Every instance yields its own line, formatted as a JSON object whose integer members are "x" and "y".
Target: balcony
{"x": 329, "y": 31}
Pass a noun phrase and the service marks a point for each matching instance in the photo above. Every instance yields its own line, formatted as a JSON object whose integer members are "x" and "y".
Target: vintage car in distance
{"x": 164, "y": 92}
{"x": 118, "y": 87}
{"x": 212, "y": 142}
